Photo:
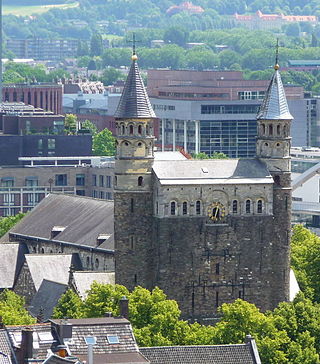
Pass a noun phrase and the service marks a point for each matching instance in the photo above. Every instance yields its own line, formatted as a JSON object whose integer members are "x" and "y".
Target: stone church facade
{"x": 205, "y": 231}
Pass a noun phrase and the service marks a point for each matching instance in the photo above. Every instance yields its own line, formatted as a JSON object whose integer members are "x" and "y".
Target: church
{"x": 205, "y": 231}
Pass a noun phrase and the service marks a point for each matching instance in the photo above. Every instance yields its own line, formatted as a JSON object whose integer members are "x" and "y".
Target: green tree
{"x": 305, "y": 260}
{"x": 12, "y": 309}
{"x": 103, "y": 143}
{"x": 88, "y": 125}
{"x": 96, "y": 47}
{"x": 6, "y": 223}
{"x": 70, "y": 124}
{"x": 176, "y": 35}
{"x": 69, "y": 305}
{"x": 111, "y": 75}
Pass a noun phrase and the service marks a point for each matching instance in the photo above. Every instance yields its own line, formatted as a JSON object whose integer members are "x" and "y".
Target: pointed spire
{"x": 134, "y": 101}
{"x": 274, "y": 105}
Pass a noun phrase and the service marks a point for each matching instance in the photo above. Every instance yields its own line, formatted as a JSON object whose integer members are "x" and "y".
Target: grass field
{"x": 26, "y": 10}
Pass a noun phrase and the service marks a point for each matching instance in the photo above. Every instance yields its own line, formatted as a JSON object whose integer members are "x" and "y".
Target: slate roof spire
{"x": 274, "y": 105}
{"x": 134, "y": 101}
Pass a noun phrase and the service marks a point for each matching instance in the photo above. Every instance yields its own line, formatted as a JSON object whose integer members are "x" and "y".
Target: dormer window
{"x": 57, "y": 230}
{"x": 113, "y": 339}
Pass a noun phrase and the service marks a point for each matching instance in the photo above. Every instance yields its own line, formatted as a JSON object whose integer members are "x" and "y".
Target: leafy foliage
{"x": 290, "y": 334}
{"x": 305, "y": 260}
{"x": 12, "y": 309}
{"x": 6, "y": 223}
{"x": 70, "y": 124}
{"x": 216, "y": 155}
{"x": 103, "y": 143}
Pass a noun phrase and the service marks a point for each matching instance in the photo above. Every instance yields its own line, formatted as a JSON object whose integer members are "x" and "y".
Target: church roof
{"x": 214, "y": 171}
{"x": 274, "y": 105}
{"x": 134, "y": 101}
{"x": 84, "y": 220}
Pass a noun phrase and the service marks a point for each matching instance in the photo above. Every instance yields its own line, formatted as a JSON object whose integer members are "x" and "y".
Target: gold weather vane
{"x": 276, "y": 66}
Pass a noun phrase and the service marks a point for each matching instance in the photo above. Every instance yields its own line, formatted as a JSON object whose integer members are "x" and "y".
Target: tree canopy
{"x": 103, "y": 143}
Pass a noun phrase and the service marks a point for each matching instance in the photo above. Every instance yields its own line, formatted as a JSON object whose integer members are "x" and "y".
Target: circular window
{"x": 266, "y": 144}
{"x": 278, "y": 144}
{"x": 126, "y": 144}
{"x": 139, "y": 144}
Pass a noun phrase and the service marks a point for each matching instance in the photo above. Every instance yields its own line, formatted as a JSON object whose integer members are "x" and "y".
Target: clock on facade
{"x": 216, "y": 211}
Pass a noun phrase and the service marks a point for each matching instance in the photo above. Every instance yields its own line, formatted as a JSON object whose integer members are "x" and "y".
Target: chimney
{"x": 124, "y": 307}
{"x": 26, "y": 348}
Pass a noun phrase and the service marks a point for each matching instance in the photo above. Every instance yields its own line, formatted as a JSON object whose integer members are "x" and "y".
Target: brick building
{"x": 205, "y": 231}
{"x": 47, "y": 96}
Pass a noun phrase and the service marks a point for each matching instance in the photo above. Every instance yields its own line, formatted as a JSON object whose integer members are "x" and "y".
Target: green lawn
{"x": 26, "y": 10}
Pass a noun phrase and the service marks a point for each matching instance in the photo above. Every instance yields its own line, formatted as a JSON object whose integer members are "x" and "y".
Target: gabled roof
{"x": 214, "y": 171}
{"x": 101, "y": 328}
{"x": 83, "y": 280}
{"x": 42, "y": 338}
{"x": 12, "y": 258}
{"x": 211, "y": 354}
{"x": 83, "y": 218}
{"x": 53, "y": 267}
{"x": 134, "y": 101}
{"x": 7, "y": 355}
{"x": 274, "y": 105}
{"x": 46, "y": 298}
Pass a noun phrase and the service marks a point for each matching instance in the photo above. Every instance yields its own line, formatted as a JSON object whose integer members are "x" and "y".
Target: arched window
{"x": 263, "y": 129}
{"x": 96, "y": 263}
{"x": 34, "y": 249}
{"x": 139, "y": 129}
{"x": 173, "y": 208}
{"x": 185, "y": 208}
{"x": 147, "y": 129}
{"x": 198, "y": 207}
{"x": 42, "y": 251}
{"x": 278, "y": 129}
{"x": 88, "y": 261}
{"x": 270, "y": 130}
{"x": 248, "y": 206}
{"x": 115, "y": 181}
{"x": 122, "y": 129}
{"x": 140, "y": 181}
{"x": 259, "y": 206}
{"x": 131, "y": 129}
{"x": 234, "y": 206}
{"x": 285, "y": 130}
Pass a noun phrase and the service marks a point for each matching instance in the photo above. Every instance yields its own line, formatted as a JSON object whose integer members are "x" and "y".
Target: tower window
{"x": 139, "y": 129}
{"x": 259, "y": 206}
{"x": 131, "y": 205}
{"x": 248, "y": 207}
{"x": 277, "y": 180}
{"x": 173, "y": 208}
{"x": 147, "y": 130}
{"x": 278, "y": 129}
{"x": 184, "y": 208}
{"x": 218, "y": 268}
{"x": 122, "y": 129}
{"x": 270, "y": 130}
{"x": 198, "y": 207}
{"x": 140, "y": 181}
{"x": 131, "y": 129}
{"x": 217, "y": 299}
{"x": 263, "y": 129}
{"x": 234, "y": 206}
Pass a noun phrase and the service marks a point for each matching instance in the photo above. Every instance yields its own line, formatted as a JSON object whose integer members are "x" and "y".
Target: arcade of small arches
{"x": 134, "y": 129}
{"x": 274, "y": 130}
{"x": 236, "y": 207}
{"x": 139, "y": 148}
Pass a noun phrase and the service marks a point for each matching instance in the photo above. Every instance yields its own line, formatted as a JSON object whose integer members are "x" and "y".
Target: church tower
{"x": 133, "y": 183}
{"x": 273, "y": 148}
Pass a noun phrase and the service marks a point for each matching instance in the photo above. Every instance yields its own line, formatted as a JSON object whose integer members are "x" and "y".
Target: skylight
{"x": 113, "y": 339}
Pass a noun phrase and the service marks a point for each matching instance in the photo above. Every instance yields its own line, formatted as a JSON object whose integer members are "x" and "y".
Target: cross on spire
{"x": 133, "y": 41}
{"x": 276, "y": 66}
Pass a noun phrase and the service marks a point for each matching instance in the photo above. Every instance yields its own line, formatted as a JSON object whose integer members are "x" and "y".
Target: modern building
{"x": 47, "y": 96}
{"x": 17, "y": 118}
{"x": 98, "y": 108}
{"x": 24, "y": 186}
{"x": 205, "y": 231}
{"x": 214, "y": 111}
{"x": 43, "y": 49}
